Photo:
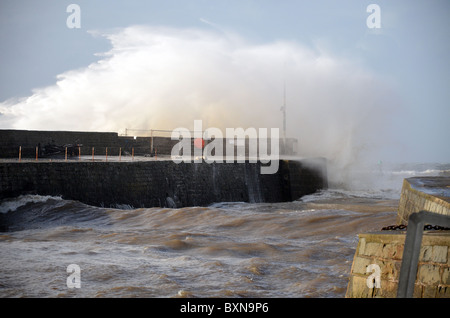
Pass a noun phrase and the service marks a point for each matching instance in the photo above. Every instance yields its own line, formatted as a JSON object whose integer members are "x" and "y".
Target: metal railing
{"x": 411, "y": 250}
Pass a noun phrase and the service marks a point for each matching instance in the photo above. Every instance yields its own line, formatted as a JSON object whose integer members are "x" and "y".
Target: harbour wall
{"x": 161, "y": 183}
{"x": 385, "y": 248}
{"x": 109, "y": 142}
{"x": 431, "y": 194}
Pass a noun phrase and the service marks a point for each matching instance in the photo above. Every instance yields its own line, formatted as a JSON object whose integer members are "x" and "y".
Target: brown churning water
{"x": 302, "y": 248}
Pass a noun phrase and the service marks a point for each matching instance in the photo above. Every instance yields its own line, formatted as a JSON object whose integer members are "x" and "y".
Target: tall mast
{"x": 283, "y": 109}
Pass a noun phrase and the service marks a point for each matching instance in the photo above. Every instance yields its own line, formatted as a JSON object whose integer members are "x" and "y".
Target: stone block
{"x": 429, "y": 291}
{"x": 429, "y": 274}
{"x": 360, "y": 265}
{"x": 446, "y": 276}
{"x": 358, "y": 288}
{"x": 392, "y": 251}
{"x": 388, "y": 289}
{"x": 418, "y": 291}
{"x": 390, "y": 270}
{"x": 373, "y": 249}
{"x": 425, "y": 253}
{"x": 439, "y": 254}
{"x": 361, "y": 245}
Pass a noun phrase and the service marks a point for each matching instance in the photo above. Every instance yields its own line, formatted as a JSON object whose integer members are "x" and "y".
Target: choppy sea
{"x": 293, "y": 249}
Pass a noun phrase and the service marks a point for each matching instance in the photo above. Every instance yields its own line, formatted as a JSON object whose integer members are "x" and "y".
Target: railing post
{"x": 151, "y": 141}
{"x": 411, "y": 249}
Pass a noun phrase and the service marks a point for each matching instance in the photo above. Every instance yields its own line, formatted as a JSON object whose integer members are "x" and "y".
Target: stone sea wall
{"x": 145, "y": 183}
{"x": 161, "y": 183}
{"x": 424, "y": 193}
{"x": 384, "y": 250}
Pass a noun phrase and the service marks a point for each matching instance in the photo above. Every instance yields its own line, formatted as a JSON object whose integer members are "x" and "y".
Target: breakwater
{"x": 147, "y": 182}
{"x": 162, "y": 183}
{"x": 384, "y": 250}
{"x": 431, "y": 194}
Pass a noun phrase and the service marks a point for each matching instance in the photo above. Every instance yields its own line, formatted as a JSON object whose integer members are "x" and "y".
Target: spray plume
{"x": 164, "y": 78}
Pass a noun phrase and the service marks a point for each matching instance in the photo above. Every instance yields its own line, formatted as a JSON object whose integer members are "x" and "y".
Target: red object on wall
{"x": 199, "y": 143}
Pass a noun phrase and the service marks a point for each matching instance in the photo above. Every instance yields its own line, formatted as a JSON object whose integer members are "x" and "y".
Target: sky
{"x": 351, "y": 92}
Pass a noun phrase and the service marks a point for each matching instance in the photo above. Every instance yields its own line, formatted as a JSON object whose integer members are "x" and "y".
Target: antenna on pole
{"x": 283, "y": 109}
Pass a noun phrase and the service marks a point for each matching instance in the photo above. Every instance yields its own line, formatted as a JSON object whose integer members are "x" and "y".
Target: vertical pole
{"x": 92, "y": 153}
{"x": 79, "y": 153}
{"x": 412, "y": 247}
{"x": 20, "y": 153}
{"x": 120, "y": 154}
{"x": 284, "y": 112}
{"x": 156, "y": 154}
{"x": 37, "y": 153}
{"x": 132, "y": 153}
{"x": 410, "y": 258}
{"x": 151, "y": 141}
{"x": 66, "y": 155}
{"x": 106, "y": 154}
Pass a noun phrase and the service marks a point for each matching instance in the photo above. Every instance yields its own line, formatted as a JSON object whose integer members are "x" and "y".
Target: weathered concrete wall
{"x": 161, "y": 183}
{"x": 386, "y": 250}
{"x": 424, "y": 193}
